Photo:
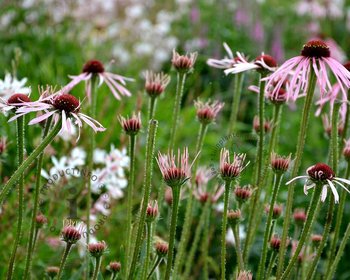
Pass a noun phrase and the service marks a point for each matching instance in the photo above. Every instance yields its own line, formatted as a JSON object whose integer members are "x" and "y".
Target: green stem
{"x": 132, "y": 150}
{"x": 339, "y": 254}
{"x": 21, "y": 169}
{"x": 306, "y": 229}
{"x": 258, "y": 166}
{"x": 271, "y": 264}
{"x": 297, "y": 162}
{"x": 195, "y": 242}
{"x": 97, "y": 268}
{"x": 152, "y": 129}
{"x": 152, "y": 107}
{"x": 181, "y": 78}
{"x": 36, "y": 234}
{"x": 185, "y": 236}
{"x": 39, "y": 164}
{"x": 235, "y": 230}
{"x": 175, "y": 208}
{"x": 275, "y": 189}
{"x": 64, "y": 259}
{"x": 20, "y": 154}
{"x": 205, "y": 246}
{"x": 159, "y": 259}
{"x": 148, "y": 250}
{"x": 223, "y": 229}
{"x": 236, "y": 97}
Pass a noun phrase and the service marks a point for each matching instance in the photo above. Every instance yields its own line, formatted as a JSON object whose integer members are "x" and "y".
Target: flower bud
{"x": 299, "y": 216}
{"x": 242, "y": 193}
{"x": 115, "y": 267}
{"x": 40, "y": 220}
{"x": 52, "y": 271}
{"x": 234, "y": 217}
{"x": 152, "y": 211}
{"x": 162, "y": 248}
{"x": 97, "y": 249}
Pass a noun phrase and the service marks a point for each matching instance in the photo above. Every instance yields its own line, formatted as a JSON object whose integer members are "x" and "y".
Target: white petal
{"x": 296, "y": 178}
{"x": 335, "y": 181}
{"x": 334, "y": 191}
{"x": 324, "y": 193}
{"x": 307, "y": 187}
{"x": 343, "y": 180}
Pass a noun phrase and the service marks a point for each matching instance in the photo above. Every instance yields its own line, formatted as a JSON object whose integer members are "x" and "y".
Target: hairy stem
{"x": 148, "y": 250}
{"x": 97, "y": 268}
{"x": 235, "y": 230}
{"x": 152, "y": 107}
{"x": 159, "y": 259}
{"x": 224, "y": 229}
{"x": 64, "y": 259}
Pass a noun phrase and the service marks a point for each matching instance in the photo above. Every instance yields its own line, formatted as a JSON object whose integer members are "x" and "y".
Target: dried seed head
{"x": 40, "y": 220}
{"x": 183, "y": 63}
{"x": 280, "y": 164}
{"x": 156, "y": 83}
{"x": 243, "y": 193}
{"x": 131, "y": 126}
{"x": 299, "y": 216}
{"x": 115, "y": 266}
{"x": 315, "y": 49}
{"x": 52, "y": 271}
{"x": 93, "y": 66}
{"x": 71, "y": 234}
{"x": 320, "y": 172}
{"x": 66, "y": 102}
{"x": 97, "y": 249}
{"x": 18, "y": 98}
{"x": 162, "y": 248}
{"x": 234, "y": 216}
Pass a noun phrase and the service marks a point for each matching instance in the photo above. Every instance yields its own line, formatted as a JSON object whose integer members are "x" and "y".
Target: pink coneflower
{"x": 116, "y": 83}
{"x": 228, "y": 61}
{"x": 97, "y": 249}
{"x": 234, "y": 216}
{"x": 280, "y": 164}
{"x": 263, "y": 62}
{"x": 184, "y": 63}
{"x": 175, "y": 170}
{"x": 14, "y": 101}
{"x": 59, "y": 106}
{"x": 275, "y": 243}
{"x": 115, "y": 266}
{"x": 315, "y": 55}
{"x": 131, "y": 126}
{"x": 231, "y": 170}
{"x": 276, "y": 211}
{"x": 156, "y": 83}
{"x": 245, "y": 275}
{"x": 72, "y": 233}
{"x": 321, "y": 174}
{"x": 207, "y": 112}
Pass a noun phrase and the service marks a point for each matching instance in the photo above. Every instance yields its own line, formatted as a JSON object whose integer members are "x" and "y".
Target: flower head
{"x": 228, "y": 61}
{"x": 72, "y": 232}
{"x": 231, "y": 170}
{"x": 346, "y": 150}
{"x": 162, "y": 248}
{"x": 156, "y": 83}
{"x": 315, "y": 56}
{"x": 207, "y": 112}
{"x": 94, "y": 68}
{"x": 316, "y": 239}
{"x": 115, "y": 266}
{"x": 97, "y": 249}
{"x": 299, "y": 216}
{"x": 234, "y": 216}
{"x": 175, "y": 170}
{"x": 40, "y": 220}
{"x": 184, "y": 63}
{"x": 58, "y": 105}
{"x": 256, "y": 125}
{"x": 13, "y": 102}
{"x": 131, "y": 125}
{"x": 245, "y": 275}
{"x": 280, "y": 164}
{"x": 275, "y": 243}
{"x": 322, "y": 175}
{"x": 52, "y": 271}
{"x": 152, "y": 211}
{"x": 263, "y": 63}
{"x": 276, "y": 211}
{"x": 242, "y": 194}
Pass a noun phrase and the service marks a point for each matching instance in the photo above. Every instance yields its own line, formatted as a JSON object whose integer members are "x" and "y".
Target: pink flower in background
{"x": 116, "y": 83}
{"x": 315, "y": 54}
{"x": 241, "y": 17}
{"x": 257, "y": 32}
{"x": 277, "y": 44}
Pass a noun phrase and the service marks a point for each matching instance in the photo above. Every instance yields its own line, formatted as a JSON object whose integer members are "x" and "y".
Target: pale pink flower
{"x": 226, "y": 62}
{"x": 116, "y": 83}
{"x": 315, "y": 54}
{"x": 14, "y": 101}
{"x": 319, "y": 175}
{"x": 207, "y": 112}
{"x": 59, "y": 106}
{"x": 230, "y": 170}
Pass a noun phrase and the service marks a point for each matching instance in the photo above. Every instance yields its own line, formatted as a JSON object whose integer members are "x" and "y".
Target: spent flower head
{"x": 156, "y": 83}
{"x": 280, "y": 164}
{"x": 131, "y": 126}
{"x": 234, "y": 217}
{"x": 152, "y": 211}
{"x": 231, "y": 170}
{"x": 242, "y": 194}
{"x": 322, "y": 176}
{"x": 72, "y": 232}
{"x": 97, "y": 249}
{"x": 207, "y": 112}
{"x": 184, "y": 63}
{"x": 52, "y": 271}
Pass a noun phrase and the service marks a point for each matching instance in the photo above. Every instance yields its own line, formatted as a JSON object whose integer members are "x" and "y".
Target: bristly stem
{"x": 329, "y": 218}
{"x": 205, "y": 245}
{"x": 148, "y": 249}
{"x": 151, "y": 138}
{"x": 31, "y": 241}
{"x": 185, "y": 235}
{"x": 235, "y": 230}
{"x": 152, "y": 107}
{"x": 159, "y": 259}
{"x": 98, "y": 261}
{"x": 275, "y": 188}
{"x": 236, "y": 97}
{"x": 339, "y": 254}
{"x": 311, "y": 213}
{"x": 258, "y": 166}
{"x": 196, "y": 239}
{"x": 224, "y": 228}
{"x": 26, "y": 163}
{"x": 20, "y": 155}
{"x": 173, "y": 224}
{"x": 131, "y": 183}
{"x": 271, "y": 264}
{"x": 181, "y": 78}
{"x": 297, "y": 162}
{"x": 64, "y": 259}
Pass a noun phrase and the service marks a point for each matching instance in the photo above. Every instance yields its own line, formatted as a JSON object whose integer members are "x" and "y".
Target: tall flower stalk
{"x": 151, "y": 137}
{"x": 297, "y": 162}
{"x": 31, "y": 241}
{"x": 20, "y": 155}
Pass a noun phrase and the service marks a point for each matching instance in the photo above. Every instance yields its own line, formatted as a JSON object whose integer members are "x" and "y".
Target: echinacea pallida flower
{"x": 315, "y": 56}
{"x": 319, "y": 175}
{"x": 226, "y": 62}
{"x": 230, "y": 170}
{"x": 58, "y": 105}
{"x": 116, "y": 83}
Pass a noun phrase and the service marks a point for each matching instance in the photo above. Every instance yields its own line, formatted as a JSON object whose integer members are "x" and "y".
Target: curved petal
{"x": 324, "y": 193}
{"x": 296, "y": 178}
{"x": 334, "y": 191}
